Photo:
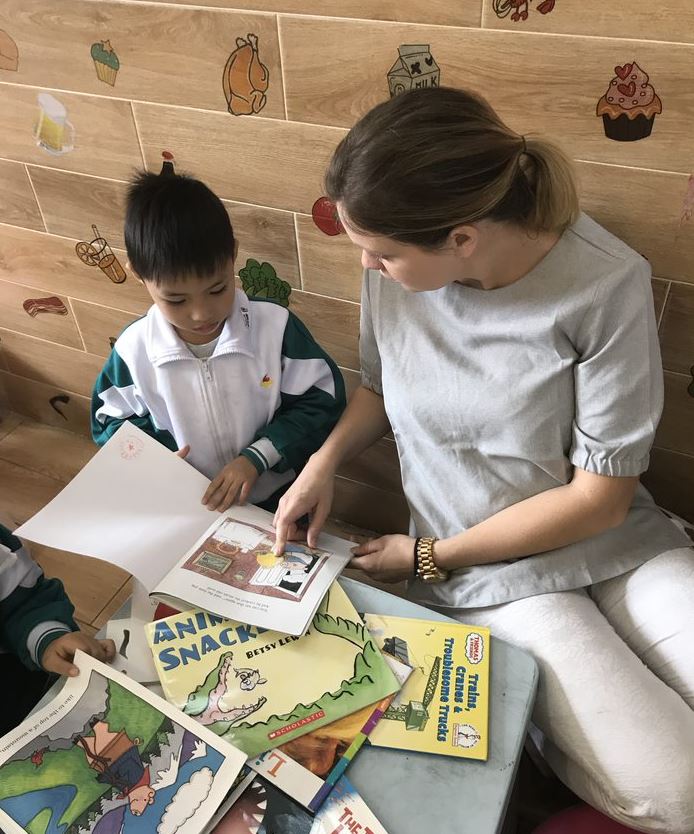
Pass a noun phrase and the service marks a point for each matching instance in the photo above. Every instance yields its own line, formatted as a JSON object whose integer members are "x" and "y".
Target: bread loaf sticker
{"x": 414, "y": 69}
{"x": 245, "y": 79}
{"x": 51, "y": 304}
{"x": 519, "y": 9}
{"x": 9, "y": 53}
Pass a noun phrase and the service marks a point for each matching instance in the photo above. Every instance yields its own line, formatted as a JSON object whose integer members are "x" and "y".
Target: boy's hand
{"x": 60, "y": 653}
{"x": 233, "y": 483}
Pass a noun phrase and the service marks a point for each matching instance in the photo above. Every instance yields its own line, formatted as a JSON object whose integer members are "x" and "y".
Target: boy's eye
{"x": 219, "y": 291}
{"x": 175, "y": 300}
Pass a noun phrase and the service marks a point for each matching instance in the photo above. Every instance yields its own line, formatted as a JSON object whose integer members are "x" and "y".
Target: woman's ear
{"x": 463, "y": 240}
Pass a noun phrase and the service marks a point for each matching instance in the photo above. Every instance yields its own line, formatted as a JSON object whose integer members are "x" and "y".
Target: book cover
{"x": 264, "y": 809}
{"x": 444, "y": 706}
{"x": 258, "y": 689}
{"x": 106, "y": 755}
{"x": 308, "y": 767}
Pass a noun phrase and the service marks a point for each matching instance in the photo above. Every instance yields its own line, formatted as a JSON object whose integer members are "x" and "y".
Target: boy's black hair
{"x": 175, "y": 227}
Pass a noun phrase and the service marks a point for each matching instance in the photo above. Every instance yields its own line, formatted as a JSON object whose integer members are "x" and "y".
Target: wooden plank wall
{"x": 543, "y": 64}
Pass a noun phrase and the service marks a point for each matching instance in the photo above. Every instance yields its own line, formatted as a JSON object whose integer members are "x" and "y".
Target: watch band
{"x": 426, "y": 568}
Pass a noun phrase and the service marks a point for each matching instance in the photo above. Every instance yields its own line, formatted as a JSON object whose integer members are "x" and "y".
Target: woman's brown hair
{"x": 416, "y": 166}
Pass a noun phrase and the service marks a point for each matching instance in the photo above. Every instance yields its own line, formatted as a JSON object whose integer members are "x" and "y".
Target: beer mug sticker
{"x": 53, "y": 132}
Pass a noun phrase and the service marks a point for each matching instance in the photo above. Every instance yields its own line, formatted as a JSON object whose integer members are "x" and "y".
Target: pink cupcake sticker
{"x": 630, "y": 105}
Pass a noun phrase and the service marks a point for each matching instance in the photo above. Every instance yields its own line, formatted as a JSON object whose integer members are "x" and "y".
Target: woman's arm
{"x": 363, "y": 423}
{"x": 587, "y": 506}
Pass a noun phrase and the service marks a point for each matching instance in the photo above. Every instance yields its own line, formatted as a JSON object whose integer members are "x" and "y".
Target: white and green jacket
{"x": 34, "y": 610}
{"x": 268, "y": 392}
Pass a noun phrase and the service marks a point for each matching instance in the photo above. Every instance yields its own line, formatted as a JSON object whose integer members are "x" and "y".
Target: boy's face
{"x": 196, "y": 307}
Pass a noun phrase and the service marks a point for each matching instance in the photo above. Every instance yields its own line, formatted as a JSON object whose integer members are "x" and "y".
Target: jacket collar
{"x": 163, "y": 344}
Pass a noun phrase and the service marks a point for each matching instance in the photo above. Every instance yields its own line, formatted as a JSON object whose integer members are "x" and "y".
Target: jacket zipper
{"x": 207, "y": 374}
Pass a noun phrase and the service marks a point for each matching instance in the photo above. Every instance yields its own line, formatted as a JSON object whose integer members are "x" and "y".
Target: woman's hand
{"x": 386, "y": 559}
{"x": 311, "y": 493}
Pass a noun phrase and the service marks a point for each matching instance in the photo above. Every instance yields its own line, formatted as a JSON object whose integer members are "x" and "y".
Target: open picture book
{"x": 106, "y": 755}
{"x": 138, "y": 505}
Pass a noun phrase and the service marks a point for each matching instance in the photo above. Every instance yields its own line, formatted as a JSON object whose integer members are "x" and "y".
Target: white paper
{"x": 135, "y": 504}
{"x": 187, "y": 770}
{"x": 133, "y": 655}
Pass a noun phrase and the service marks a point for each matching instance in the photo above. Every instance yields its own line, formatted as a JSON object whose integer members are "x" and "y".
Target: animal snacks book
{"x": 444, "y": 706}
{"x": 257, "y": 688}
{"x": 106, "y": 755}
{"x": 308, "y": 767}
{"x": 263, "y": 809}
{"x": 138, "y": 506}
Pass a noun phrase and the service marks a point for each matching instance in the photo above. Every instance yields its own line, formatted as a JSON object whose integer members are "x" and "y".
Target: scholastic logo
{"x": 302, "y": 722}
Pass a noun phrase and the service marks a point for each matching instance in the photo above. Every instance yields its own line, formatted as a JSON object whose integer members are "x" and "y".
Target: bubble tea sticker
{"x": 53, "y": 132}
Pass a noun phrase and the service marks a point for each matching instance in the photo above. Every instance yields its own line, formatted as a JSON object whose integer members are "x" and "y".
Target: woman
{"x": 510, "y": 342}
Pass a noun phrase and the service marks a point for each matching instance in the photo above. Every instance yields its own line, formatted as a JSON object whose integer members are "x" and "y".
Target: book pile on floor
{"x": 256, "y": 726}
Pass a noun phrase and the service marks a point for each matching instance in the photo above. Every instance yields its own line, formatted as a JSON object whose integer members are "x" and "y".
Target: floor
{"x": 37, "y": 461}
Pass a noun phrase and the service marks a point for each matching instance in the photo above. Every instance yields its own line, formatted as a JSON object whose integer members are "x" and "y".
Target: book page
{"x": 232, "y": 571}
{"x": 105, "y": 750}
{"x": 135, "y": 505}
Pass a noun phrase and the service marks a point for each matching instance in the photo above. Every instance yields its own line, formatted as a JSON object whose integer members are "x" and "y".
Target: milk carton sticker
{"x": 415, "y": 68}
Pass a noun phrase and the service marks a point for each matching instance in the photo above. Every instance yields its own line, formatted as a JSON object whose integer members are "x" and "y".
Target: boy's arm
{"x": 116, "y": 399}
{"x": 312, "y": 395}
{"x": 34, "y": 610}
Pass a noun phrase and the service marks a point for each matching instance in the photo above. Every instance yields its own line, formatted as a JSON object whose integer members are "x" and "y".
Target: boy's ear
{"x": 236, "y": 249}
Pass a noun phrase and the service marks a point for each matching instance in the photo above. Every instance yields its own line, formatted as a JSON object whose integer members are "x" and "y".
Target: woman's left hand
{"x": 386, "y": 559}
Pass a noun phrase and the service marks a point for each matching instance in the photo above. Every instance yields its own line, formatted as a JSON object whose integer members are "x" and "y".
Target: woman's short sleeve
{"x": 618, "y": 376}
{"x": 369, "y": 356}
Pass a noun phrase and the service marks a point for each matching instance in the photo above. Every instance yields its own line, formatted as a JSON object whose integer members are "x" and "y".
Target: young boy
{"x": 236, "y": 385}
{"x": 37, "y": 632}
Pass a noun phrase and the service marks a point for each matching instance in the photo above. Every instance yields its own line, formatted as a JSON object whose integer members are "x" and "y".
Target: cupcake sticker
{"x": 630, "y": 105}
{"x": 106, "y": 62}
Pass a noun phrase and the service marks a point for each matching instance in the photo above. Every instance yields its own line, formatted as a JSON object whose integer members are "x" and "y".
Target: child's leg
{"x": 652, "y": 609}
{"x": 20, "y": 691}
{"x": 617, "y": 735}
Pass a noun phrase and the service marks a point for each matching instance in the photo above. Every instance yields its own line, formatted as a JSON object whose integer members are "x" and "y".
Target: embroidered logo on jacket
{"x": 266, "y": 381}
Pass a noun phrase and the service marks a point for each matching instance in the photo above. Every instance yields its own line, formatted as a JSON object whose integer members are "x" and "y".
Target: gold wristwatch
{"x": 425, "y": 567}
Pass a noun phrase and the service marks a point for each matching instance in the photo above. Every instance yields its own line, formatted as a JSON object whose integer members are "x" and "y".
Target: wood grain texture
{"x": 240, "y": 159}
{"x": 32, "y": 399}
{"x": 643, "y": 209}
{"x": 72, "y": 370}
{"x": 71, "y": 203}
{"x": 166, "y": 54}
{"x": 23, "y": 492}
{"x": 369, "y": 507}
{"x": 18, "y": 206}
{"x": 334, "y": 325}
{"x": 660, "y": 290}
{"x": 50, "y": 265}
{"x": 462, "y": 13}
{"x": 105, "y": 142}
{"x": 51, "y": 326}
{"x": 98, "y": 324}
{"x": 377, "y": 466}
{"x": 546, "y": 96}
{"x": 670, "y": 478}
{"x": 670, "y": 20}
{"x": 266, "y": 235}
{"x": 677, "y": 329}
{"x": 676, "y": 429}
{"x": 47, "y": 450}
{"x": 329, "y": 265}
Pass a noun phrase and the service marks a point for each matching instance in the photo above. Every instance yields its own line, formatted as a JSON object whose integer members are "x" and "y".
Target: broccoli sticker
{"x": 261, "y": 281}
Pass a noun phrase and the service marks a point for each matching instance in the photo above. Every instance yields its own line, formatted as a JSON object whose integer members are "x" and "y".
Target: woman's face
{"x": 414, "y": 268}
